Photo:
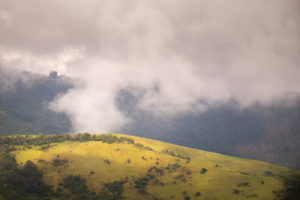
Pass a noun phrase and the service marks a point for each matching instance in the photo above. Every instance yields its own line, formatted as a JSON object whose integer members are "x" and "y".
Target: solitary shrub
{"x": 144, "y": 158}
{"x": 244, "y": 184}
{"x": 107, "y": 161}
{"x": 187, "y": 198}
{"x": 236, "y": 191}
{"x": 203, "y": 171}
{"x": 198, "y": 194}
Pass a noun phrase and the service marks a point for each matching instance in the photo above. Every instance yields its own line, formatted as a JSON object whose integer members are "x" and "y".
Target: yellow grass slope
{"x": 175, "y": 172}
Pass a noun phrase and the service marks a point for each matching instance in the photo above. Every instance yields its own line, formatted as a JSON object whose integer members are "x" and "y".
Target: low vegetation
{"x": 112, "y": 166}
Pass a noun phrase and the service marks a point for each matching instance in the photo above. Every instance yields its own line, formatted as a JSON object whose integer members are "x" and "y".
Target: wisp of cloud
{"x": 178, "y": 54}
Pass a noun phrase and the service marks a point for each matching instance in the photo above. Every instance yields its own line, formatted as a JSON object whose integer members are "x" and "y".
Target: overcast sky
{"x": 176, "y": 52}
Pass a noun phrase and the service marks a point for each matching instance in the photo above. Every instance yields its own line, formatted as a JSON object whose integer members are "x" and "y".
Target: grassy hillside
{"x": 126, "y": 167}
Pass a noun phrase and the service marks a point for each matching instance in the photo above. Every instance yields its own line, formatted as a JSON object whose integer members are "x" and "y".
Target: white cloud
{"x": 177, "y": 52}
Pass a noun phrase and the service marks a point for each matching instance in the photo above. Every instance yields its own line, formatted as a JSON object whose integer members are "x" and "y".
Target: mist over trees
{"x": 24, "y": 106}
{"x": 264, "y": 132}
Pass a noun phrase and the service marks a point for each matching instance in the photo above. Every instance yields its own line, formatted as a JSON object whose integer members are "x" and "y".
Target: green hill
{"x": 114, "y": 166}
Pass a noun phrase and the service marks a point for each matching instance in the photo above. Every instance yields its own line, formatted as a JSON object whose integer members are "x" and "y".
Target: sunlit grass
{"x": 100, "y": 163}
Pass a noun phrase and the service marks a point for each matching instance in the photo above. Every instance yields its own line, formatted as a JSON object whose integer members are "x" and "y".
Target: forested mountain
{"x": 264, "y": 132}
{"x": 24, "y": 106}
{"x": 269, "y": 133}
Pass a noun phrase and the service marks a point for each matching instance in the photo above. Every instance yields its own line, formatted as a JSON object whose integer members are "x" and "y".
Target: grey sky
{"x": 176, "y": 51}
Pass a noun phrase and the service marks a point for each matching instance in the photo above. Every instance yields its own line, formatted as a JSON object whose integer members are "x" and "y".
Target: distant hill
{"x": 113, "y": 166}
{"x": 264, "y": 132}
{"x": 23, "y": 108}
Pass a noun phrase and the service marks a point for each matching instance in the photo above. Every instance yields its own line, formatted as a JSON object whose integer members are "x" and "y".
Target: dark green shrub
{"x": 236, "y": 191}
{"x": 7, "y": 162}
{"x": 244, "y": 184}
{"x": 85, "y": 137}
{"x": 115, "y": 188}
{"x": 187, "y": 198}
{"x": 203, "y": 171}
{"x": 141, "y": 182}
{"x": 75, "y": 184}
{"x": 21, "y": 183}
{"x": 59, "y": 162}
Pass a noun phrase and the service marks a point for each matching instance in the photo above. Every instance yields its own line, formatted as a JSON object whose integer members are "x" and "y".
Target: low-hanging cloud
{"x": 178, "y": 53}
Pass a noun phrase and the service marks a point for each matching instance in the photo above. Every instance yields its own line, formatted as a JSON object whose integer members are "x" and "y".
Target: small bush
{"x": 203, "y": 171}
{"x": 236, "y": 191}
{"x": 144, "y": 158}
{"x": 244, "y": 184}
{"x": 115, "y": 187}
{"x": 187, "y": 198}
{"x": 141, "y": 182}
{"x": 59, "y": 162}
{"x": 198, "y": 194}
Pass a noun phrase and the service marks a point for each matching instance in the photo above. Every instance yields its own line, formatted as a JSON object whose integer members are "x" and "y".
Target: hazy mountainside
{"x": 113, "y": 166}
{"x": 269, "y": 133}
{"x": 23, "y": 108}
